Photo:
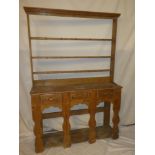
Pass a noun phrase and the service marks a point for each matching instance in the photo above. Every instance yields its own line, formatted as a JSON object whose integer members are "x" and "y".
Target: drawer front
{"x": 81, "y": 97}
{"x": 52, "y": 100}
{"x": 106, "y": 94}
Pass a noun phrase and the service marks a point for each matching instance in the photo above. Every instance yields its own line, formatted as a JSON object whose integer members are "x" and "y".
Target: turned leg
{"x": 92, "y": 121}
{"x": 66, "y": 124}
{"x": 38, "y": 127}
{"x": 116, "y": 108}
{"x": 106, "y": 114}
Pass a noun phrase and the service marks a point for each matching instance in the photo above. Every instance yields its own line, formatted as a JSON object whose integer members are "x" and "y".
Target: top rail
{"x": 70, "y": 13}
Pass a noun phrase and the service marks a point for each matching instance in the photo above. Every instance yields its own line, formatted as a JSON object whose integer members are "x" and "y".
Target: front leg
{"x": 92, "y": 121}
{"x": 38, "y": 127}
{"x": 106, "y": 114}
{"x": 116, "y": 108}
{"x": 66, "y": 124}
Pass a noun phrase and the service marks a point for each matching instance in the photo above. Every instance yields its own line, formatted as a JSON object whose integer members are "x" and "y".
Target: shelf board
{"x": 70, "y": 71}
{"x": 60, "y": 38}
{"x": 70, "y": 13}
{"x": 67, "y": 57}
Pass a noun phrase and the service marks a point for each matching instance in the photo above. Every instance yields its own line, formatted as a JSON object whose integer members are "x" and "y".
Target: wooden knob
{"x": 51, "y": 99}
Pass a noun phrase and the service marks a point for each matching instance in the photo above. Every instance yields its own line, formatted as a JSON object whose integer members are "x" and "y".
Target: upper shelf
{"x": 70, "y": 13}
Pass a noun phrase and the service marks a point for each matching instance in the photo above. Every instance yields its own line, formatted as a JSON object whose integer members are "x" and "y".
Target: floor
{"x": 125, "y": 145}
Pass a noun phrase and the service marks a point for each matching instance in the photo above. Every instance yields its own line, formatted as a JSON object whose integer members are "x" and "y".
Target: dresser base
{"x": 67, "y": 93}
{"x": 77, "y": 136}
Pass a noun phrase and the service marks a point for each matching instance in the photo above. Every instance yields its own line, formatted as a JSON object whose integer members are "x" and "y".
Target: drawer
{"x": 52, "y": 99}
{"x": 79, "y": 95}
{"x": 105, "y": 93}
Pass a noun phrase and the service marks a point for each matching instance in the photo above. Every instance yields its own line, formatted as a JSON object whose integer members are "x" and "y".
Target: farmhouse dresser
{"x": 65, "y": 93}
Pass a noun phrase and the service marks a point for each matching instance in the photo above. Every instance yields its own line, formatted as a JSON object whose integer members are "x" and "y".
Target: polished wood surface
{"x": 66, "y": 93}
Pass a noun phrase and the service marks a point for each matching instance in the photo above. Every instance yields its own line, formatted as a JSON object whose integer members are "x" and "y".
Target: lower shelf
{"x": 77, "y": 136}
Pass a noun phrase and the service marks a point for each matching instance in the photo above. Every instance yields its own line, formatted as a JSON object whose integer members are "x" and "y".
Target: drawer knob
{"x": 51, "y": 99}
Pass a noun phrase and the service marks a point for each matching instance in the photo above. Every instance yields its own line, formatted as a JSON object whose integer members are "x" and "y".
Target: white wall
{"x": 54, "y": 26}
